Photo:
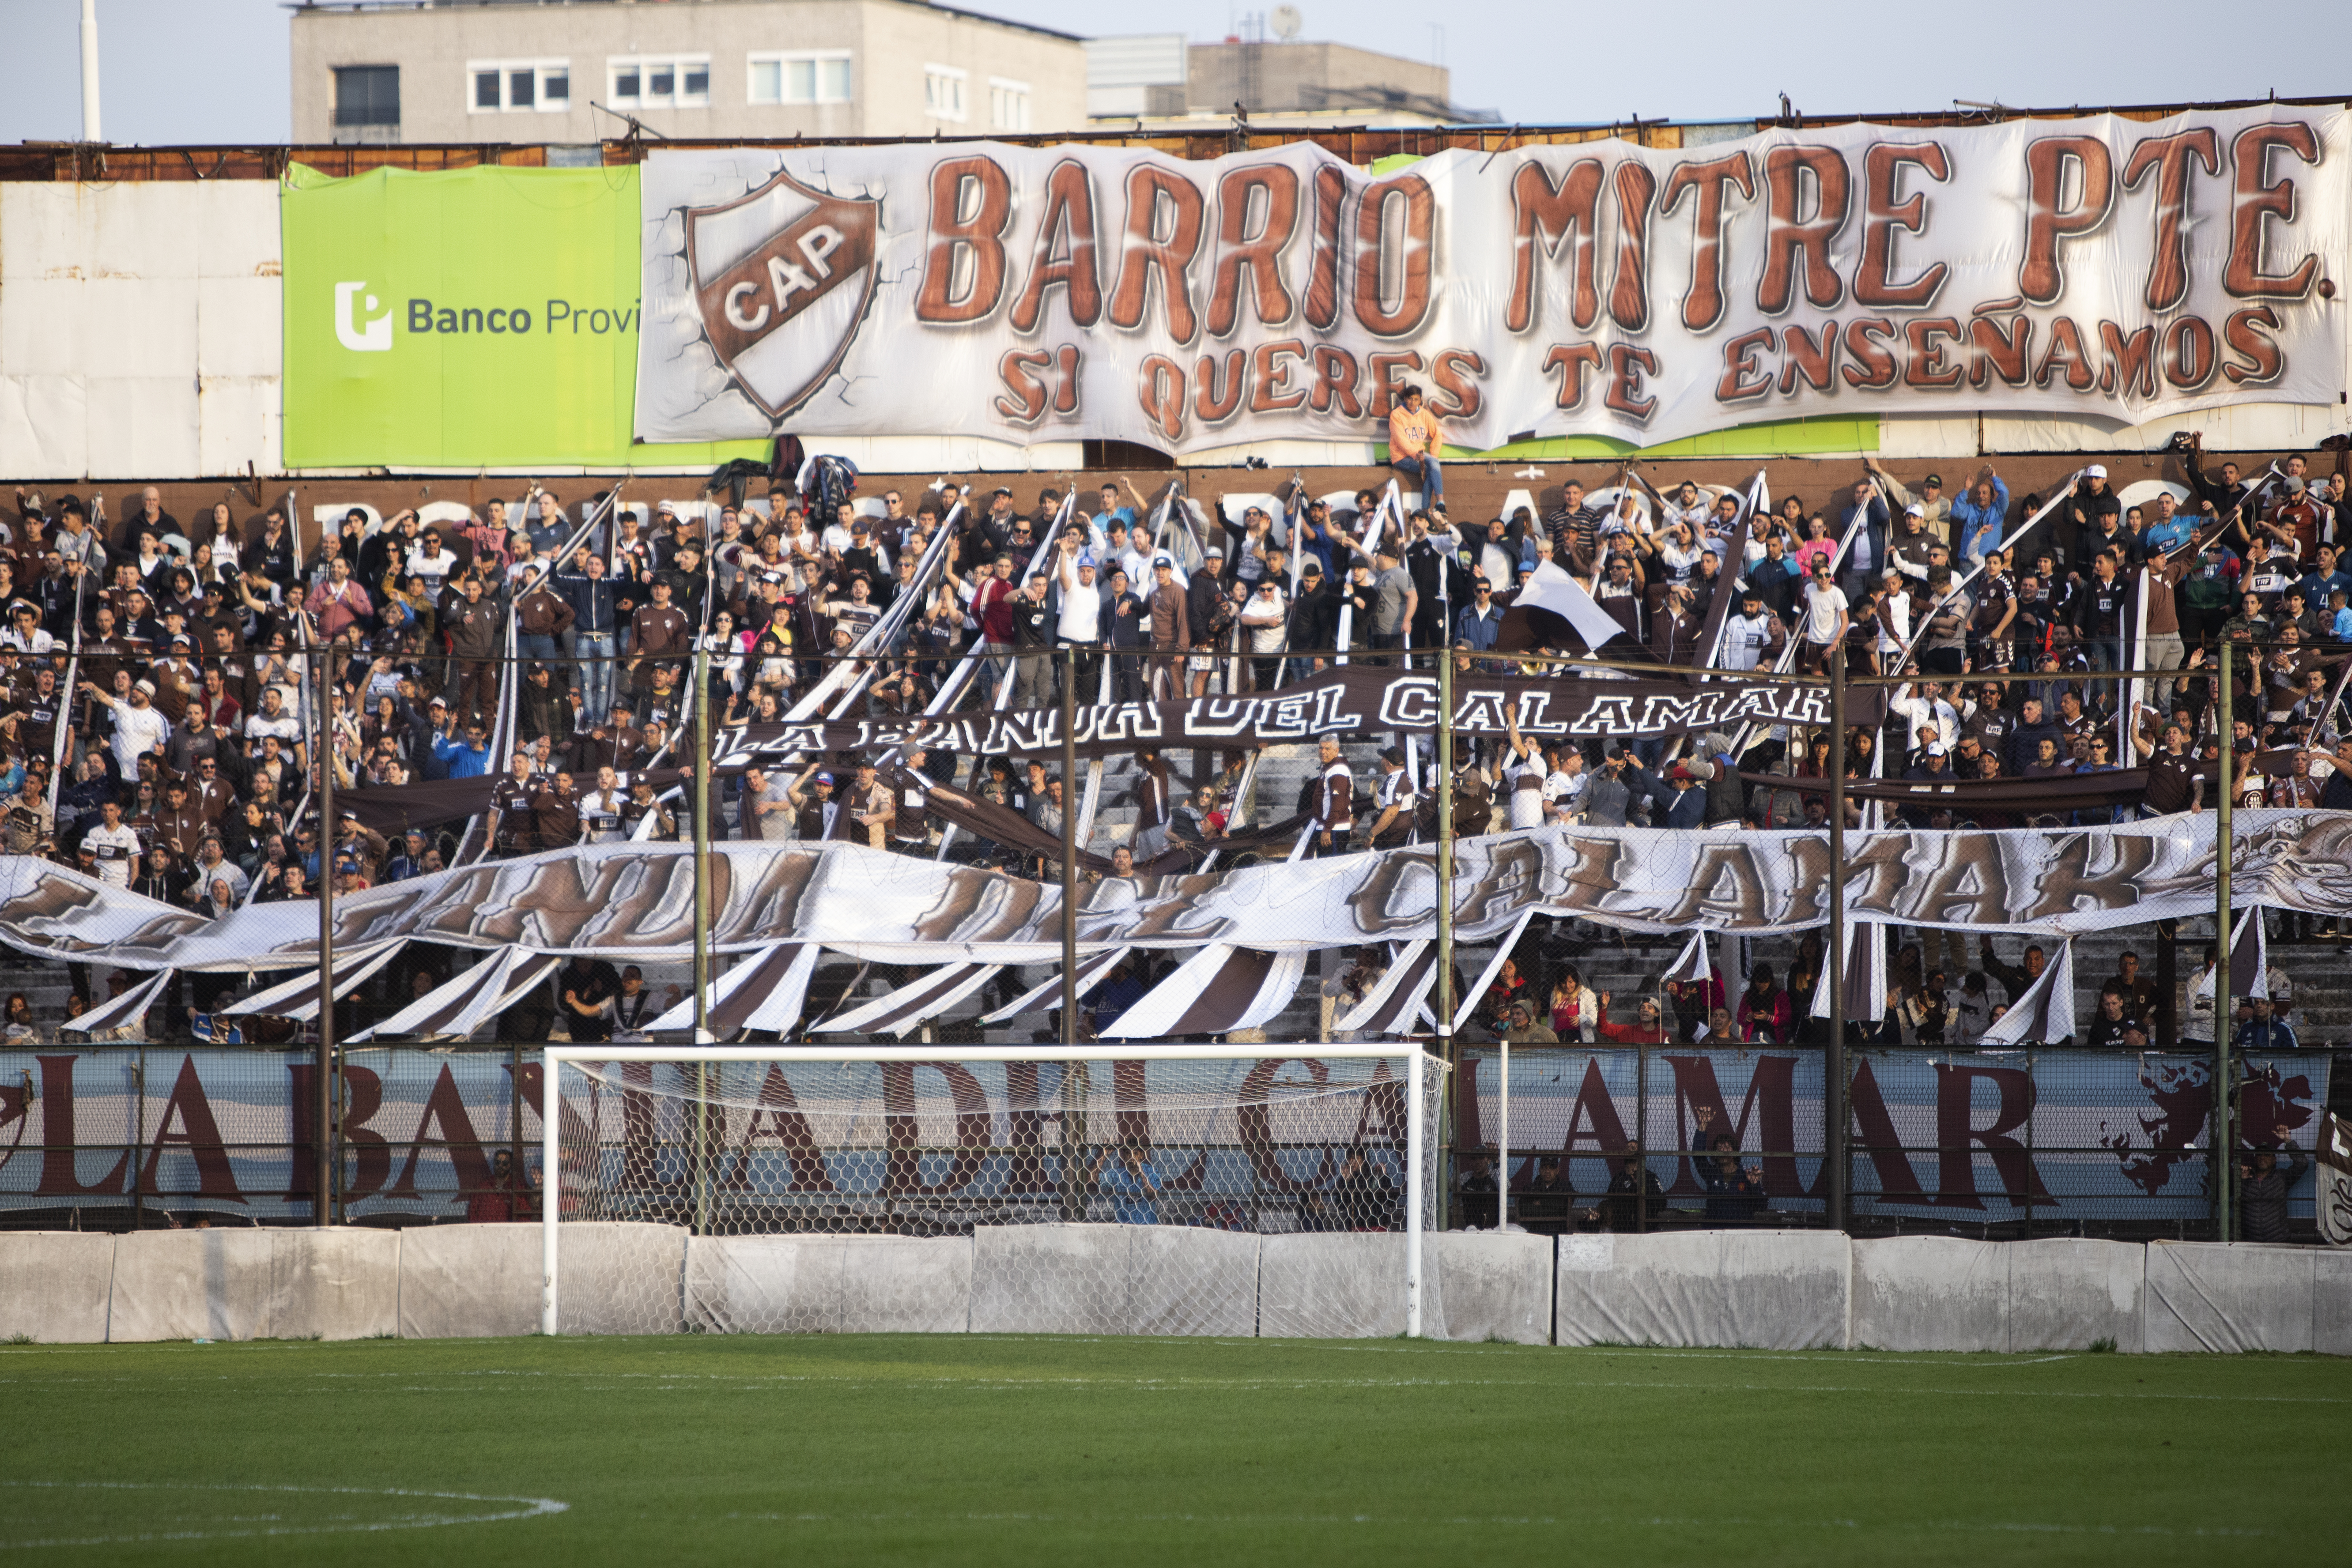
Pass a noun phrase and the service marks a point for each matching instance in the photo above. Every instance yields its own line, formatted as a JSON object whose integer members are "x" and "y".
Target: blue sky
{"x": 194, "y": 71}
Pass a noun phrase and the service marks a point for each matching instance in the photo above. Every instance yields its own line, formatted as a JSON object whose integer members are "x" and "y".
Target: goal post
{"x": 749, "y": 1148}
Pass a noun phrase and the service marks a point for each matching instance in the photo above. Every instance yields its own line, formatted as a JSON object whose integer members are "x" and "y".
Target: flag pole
{"x": 2223, "y": 1001}
{"x": 702, "y": 806}
{"x": 1069, "y": 845}
{"x": 323, "y": 1171}
{"x": 1443, "y": 784}
{"x": 1833, "y": 1114}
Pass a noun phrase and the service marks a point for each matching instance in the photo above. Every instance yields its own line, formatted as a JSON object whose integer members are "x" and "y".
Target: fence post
{"x": 325, "y": 1169}
{"x": 2220, "y": 1146}
{"x": 1834, "y": 1082}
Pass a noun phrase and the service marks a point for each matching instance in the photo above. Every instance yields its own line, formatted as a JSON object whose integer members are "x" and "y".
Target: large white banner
{"x": 2101, "y": 266}
{"x": 637, "y": 899}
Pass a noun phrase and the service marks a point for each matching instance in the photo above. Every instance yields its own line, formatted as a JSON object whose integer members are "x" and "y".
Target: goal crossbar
{"x": 554, "y": 1058}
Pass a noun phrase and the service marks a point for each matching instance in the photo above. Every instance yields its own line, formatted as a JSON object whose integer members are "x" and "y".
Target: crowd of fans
{"x": 171, "y": 681}
{"x": 1539, "y": 996}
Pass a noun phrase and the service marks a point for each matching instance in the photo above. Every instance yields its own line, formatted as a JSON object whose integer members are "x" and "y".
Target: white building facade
{"x": 753, "y": 70}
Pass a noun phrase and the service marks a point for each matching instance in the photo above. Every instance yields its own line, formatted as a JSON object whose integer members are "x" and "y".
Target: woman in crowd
{"x": 1575, "y": 1006}
{"x": 1765, "y": 1014}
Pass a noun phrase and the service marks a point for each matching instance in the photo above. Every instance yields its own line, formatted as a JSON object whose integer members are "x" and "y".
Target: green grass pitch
{"x": 1039, "y": 1450}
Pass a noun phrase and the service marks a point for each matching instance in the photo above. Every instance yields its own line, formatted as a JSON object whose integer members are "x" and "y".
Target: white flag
{"x": 1550, "y": 587}
{"x": 2045, "y": 1015}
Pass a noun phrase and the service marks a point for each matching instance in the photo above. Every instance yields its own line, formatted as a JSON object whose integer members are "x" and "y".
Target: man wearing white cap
{"x": 2091, "y": 501}
{"x": 138, "y": 727}
{"x": 1079, "y": 623}
{"x": 1908, "y": 551}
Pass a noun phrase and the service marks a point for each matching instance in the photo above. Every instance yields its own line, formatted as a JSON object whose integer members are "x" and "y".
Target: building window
{"x": 660, "y": 82}
{"x": 1008, "y": 105}
{"x": 943, "y": 91}
{"x": 816, "y": 76}
{"x": 518, "y": 85}
{"x": 367, "y": 95}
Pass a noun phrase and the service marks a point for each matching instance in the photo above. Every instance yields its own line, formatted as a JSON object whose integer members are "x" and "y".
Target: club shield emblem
{"x": 782, "y": 278}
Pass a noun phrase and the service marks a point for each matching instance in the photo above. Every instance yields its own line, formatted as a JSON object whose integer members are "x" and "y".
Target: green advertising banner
{"x": 476, "y": 319}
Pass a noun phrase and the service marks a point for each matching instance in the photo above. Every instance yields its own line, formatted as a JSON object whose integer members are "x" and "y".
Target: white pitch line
{"x": 535, "y": 1508}
{"x": 1450, "y": 1520}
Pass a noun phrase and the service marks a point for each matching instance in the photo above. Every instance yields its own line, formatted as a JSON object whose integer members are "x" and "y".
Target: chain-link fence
{"x": 2045, "y": 1141}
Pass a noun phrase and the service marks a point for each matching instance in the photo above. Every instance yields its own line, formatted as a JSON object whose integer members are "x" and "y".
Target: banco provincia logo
{"x": 782, "y": 279}
{"x": 357, "y": 326}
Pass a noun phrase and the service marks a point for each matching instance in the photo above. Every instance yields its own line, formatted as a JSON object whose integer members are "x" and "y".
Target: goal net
{"x": 1098, "y": 1189}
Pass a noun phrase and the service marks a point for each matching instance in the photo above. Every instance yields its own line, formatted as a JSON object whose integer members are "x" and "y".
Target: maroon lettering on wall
{"x": 1064, "y": 255}
{"x": 1629, "y": 284}
{"x": 1334, "y": 385}
{"x": 1771, "y": 1091}
{"x": 1872, "y": 368}
{"x": 1249, "y": 258}
{"x": 1027, "y": 404}
{"x": 1547, "y": 217}
{"x": 370, "y": 1155}
{"x": 1628, "y": 367}
{"x": 777, "y": 1115}
{"x": 2167, "y": 157}
{"x": 2255, "y": 202}
{"x": 1253, "y": 1120}
{"x": 1389, "y": 373}
{"x": 1882, "y": 217}
{"x": 445, "y": 1109}
{"x": 1595, "y": 1104}
{"x": 1810, "y": 359}
{"x": 188, "y": 1123}
{"x": 1928, "y": 369}
{"x": 2247, "y": 332}
{"x": 1457, "y": 395}
{"x": 2131, "y": 361}
{"x": 1570, "y": 361}
{"x": 2066, "y": 357}
{"x": 1322, "y": 306}
{"x": 1873, "y": 1131}
{"x": 1398, "y": 263}
{"x": 902, "y": 1172}
{"x": 2052, "y": 163}
{"x": 1270, "y": 388}
{"x": 1160, "y": 389}
{"x": 1956, "y": 1179}
{"x": 971, "y": 203}
{"x": 58, "y": 1175}
{"x": 2192, "y": 354}
{"x": 1165, "y": 225}
{"x": 1706, "y": 182}
{"x": 2001, "y": 348}
{"x": 1219, "y": 386}
{"x": 1807, "y": 194}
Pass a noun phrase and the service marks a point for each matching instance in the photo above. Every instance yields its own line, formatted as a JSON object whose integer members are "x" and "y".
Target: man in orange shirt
{"x": 1414, "y": 438}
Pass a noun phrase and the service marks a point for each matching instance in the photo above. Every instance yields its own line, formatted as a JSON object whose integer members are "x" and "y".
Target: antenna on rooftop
{"x": 1285, "y": 21}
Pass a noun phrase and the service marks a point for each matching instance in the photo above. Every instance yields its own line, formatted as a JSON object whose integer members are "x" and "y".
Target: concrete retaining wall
{"x": 470, "y": 1281}
{"x": 2242, "y": 1295}
{"x": 1485, "y": 1285}
{"x": 1334, "y": 1286}
{"x": 1766, "y": 1290}
{"x": 54, "y": 1285}
{"x": 2069, "y": 1294}
{"x": 1114, "y": 1280}
{"x": 828, "y": 1284}
{"x": 1930, "y": 1292}
{"x": 255, "y": 1284}
{"x": 617, "y": 1276}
